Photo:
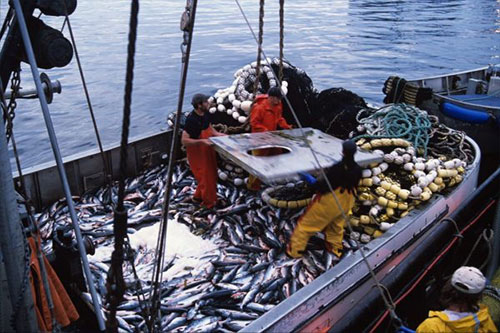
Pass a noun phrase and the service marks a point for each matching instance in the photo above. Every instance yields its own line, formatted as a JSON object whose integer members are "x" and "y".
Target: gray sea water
{"x": 339, "y": 43}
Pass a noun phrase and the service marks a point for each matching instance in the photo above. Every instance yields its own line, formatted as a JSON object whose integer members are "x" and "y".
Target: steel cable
{"x": 282, "y": 36}
{"x": 387, "y": 301}
{"x": 116, "y": 284}
{"x": 187, "y": 25}
{"x": 107, "y": 166}
{"x": 259, "y": 48}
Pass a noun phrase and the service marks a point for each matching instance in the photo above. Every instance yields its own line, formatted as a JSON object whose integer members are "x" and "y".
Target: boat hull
{"x": 322, "y": 303}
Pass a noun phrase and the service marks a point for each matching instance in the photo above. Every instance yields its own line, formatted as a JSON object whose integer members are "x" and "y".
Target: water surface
{"x": 350, "y": 44}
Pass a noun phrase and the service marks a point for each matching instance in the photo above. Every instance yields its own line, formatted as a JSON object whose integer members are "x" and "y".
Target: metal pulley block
{"x": 186, "y": 17}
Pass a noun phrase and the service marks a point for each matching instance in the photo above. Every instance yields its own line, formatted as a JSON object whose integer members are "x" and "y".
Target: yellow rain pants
{"x": 323, "y": 214}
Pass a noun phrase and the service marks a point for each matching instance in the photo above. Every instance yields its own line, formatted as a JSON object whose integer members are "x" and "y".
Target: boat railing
{"x": 86, "y": 171}
{"x": 465, "y": 104}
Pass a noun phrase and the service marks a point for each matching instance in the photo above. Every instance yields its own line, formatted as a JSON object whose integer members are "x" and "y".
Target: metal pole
{"x": 159, "y": 255}
{"x": 56, "y": 87}
{"x": 60, "y": 165}
{"x": 13, "y": 248}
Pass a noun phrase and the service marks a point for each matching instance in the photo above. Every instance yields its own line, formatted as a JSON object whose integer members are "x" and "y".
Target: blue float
{"x": 464, "y": 114}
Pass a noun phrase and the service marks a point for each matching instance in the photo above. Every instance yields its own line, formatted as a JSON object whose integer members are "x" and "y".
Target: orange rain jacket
{"x": 64, "y": 310}
{"x": 265, "y": 117}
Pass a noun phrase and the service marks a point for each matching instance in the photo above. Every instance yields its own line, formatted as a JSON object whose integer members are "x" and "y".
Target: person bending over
{"x": 323, "y": 214}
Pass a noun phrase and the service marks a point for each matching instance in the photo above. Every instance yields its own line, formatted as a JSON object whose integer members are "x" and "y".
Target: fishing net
{"x": 301, "y": 94}
{"x": 332, "y": 111}
{"x": 336, "y": 110}
{"x": 298, "y": 192}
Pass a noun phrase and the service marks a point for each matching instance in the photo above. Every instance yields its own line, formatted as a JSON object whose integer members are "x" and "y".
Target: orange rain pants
{"x": 324, "y": 215}
{"x": 64, "y": 310}
{"x": 203, "y": 163}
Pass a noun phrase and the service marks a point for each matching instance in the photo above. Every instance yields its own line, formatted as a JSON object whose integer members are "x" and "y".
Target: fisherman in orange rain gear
{"x": 323, "y": 213}
{"x": 266, "y": 115}
{"x": 201, "y": 156}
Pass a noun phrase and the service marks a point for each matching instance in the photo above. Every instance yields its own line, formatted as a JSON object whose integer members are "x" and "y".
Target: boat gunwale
{"x": 446, "y": 94}
{"x": 450, "y": 74}
{"x": 324, "y": 279}
{"x": 474, "y": 107}
{"x": 87, "y": 153}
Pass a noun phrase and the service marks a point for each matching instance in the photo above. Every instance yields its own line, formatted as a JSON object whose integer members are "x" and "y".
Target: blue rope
{"x": 398, "y": 121}
{"x": 404, "y": 329}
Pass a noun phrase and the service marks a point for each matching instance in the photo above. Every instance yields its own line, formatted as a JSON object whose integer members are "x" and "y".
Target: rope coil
{"x": 396, "y": 121}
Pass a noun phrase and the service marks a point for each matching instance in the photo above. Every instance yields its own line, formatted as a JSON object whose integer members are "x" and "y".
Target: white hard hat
{"x": 468, "y": 280}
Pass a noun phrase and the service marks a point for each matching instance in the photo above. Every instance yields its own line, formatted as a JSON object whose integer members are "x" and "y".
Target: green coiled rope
{"x": 397, "y": 121}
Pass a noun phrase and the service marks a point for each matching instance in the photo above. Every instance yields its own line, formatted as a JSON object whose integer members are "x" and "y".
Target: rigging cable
{"x": 386, "y": 298}
{"x": 107, "y": 166}
{"x": 6, "y": 22}
{"x": 282, "y": 36}
{"x": 115, "y": 282}
{"x": 259, "y": 48}
{"x": 187, "y": 26}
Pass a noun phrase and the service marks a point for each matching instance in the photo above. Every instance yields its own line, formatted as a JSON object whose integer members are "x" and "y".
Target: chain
{"x": 9, "y": 115}
{"x": 186, "y": 28}
{"x": 259, "y": 49}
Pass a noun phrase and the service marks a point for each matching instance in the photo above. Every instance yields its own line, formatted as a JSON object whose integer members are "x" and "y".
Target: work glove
{"x": 307, "y": 177}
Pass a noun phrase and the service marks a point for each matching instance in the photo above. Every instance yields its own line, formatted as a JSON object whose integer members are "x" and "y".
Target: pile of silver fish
{"x": 243, "y": 276}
